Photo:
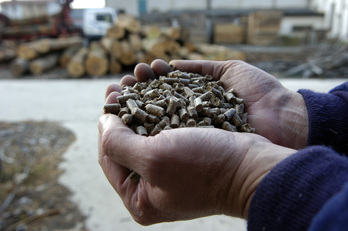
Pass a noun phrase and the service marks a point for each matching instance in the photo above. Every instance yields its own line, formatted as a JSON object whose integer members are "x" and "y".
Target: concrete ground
{"x": 77, "y": 105}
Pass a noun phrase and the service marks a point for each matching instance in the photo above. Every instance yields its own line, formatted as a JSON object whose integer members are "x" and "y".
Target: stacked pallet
{"x": 263, "y": 27}
{"x": 229, "y": 33}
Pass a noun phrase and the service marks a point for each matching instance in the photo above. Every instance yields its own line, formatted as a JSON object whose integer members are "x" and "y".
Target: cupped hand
{"x": 277, "y": 113}
{"x": 185, "y": 173}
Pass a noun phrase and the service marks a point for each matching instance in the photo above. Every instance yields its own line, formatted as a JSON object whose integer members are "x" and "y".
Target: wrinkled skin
{"x": 188, "y": 173}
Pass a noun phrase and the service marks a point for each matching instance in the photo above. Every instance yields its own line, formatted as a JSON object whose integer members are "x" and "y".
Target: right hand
{"x": 275, "y": 112}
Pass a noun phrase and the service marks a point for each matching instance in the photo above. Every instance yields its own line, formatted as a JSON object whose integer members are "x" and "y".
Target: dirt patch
{"x": 30, "y": 196}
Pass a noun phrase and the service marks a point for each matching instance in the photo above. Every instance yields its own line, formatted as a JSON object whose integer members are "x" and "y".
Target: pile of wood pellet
{"x": 178, "y": 100}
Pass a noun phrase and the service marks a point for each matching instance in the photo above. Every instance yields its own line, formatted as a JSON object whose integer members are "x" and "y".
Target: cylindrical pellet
{"x": 191, "y": 123}
{"x": 175, "y": 121}
{"x": 230, "y": 113}
{"x": 239, "y": 108}
{"x": 192, "y": 112}
{"x": 154, "y": 110}
{"x": 141, "y": 130}
{"x": 127, "y": 118}
{"x": 164, "y": 122}
{"x": 237, "y": 121}
{"x": 229, "y": 127}
{"x": 124, "y": 110}
{"x": 139, "y": 114}
{"x": 198, "y": 104}
{"x": 173, "y": 104}
{"x": 184, "y": 116}
{"x": 206, "y": 96}
{"x": 123, "y": 98}
{"x": 112, "y": 108}
{"x": 157, "y": 129}
{"x": 131, "y": 104}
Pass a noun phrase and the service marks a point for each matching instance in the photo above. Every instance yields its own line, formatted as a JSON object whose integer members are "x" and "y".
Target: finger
{"x": 112, "y": 88}
{"x": 143, "y": 72}
{"x": 116, "y": 174}
{"x": 128, "y": 80}
{"x": 112, "y": 97}
{"x": 120, "y": 143}
{"x": 160, "y": 67}
{"x": 214, "y": 68}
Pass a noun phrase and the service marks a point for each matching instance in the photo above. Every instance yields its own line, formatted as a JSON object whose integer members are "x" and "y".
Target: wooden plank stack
{"x": 263, "y": 27}
{"x": 229, "y": 33}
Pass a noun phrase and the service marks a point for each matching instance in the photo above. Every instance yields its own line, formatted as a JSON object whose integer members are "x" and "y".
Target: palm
{"x": 258, "y": 89}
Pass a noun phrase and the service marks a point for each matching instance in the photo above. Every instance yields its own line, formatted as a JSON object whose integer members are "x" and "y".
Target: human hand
{"x": 186, "y": 173}
{"x": 275, "y": 112}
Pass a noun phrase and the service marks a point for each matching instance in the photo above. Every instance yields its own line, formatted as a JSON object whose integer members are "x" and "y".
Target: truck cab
{"x": 97, "y": 21}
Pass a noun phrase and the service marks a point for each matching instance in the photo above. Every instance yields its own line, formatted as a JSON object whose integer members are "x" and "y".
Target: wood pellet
{"x": 179, "y": 100}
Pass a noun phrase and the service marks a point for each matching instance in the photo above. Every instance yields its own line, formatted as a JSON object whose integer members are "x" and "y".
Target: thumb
{"x": 119, "y": 142}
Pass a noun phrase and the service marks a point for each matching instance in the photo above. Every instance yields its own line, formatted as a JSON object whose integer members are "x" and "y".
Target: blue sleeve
{"x": 296, "y": 190}
{"x": 309, "y": 190}
{"x": 334, "y": 214}
{"x": 328, "y": 117}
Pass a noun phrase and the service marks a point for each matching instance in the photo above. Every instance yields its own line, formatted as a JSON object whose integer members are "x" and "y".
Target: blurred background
{"x": 278, "y": 36}
{"x": 58, "y": 56}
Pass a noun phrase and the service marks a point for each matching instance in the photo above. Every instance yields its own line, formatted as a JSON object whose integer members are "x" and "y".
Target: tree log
{"x": 128, "y": 56}
{"x": 19, "y": 67}
{"x": 27, "y": 51}
{"x": 34, "y": 49}
{"x": 171, "y": 46}
{"x": 129, "y": 23}
{"x": 67, "y": 55}
{"x": 40, "y": 65}
{"x": 116, "y": 49}
{"x": 97, "y": 63}
{"x": 115, "y": 66}
{"x": 116, "y": 32}
{"x": 173, "y": 33}
{"x": 151, "y": 32}
{"x": 76, "y": 67}
{"x": 135, "y": 42}
{"x": 7, "y": 54}
{"x": 155, "y": 47}
{"x": 47, "y": 45}
{"x": 143, "y": 57}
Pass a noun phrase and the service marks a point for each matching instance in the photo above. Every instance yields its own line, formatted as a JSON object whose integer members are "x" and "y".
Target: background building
{"x": 300, "y": 17}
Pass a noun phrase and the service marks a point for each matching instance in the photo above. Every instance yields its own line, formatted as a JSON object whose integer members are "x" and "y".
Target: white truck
{"x": 95, "y": 22}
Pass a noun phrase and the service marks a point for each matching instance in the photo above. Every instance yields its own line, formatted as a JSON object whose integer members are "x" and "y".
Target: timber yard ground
{"x": 53, "y": 120}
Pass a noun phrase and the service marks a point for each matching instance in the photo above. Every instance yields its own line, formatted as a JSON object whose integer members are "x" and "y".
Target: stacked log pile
{"x": 128, "y": 43}
{"x": 42, "y": 55}
{"x": 125, "y": 44}
{"x": 7, "y": 51}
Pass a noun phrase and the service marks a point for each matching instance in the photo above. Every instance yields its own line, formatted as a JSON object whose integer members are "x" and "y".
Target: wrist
{"x": 259, "y": 159}
{"x": 293, "y": 120}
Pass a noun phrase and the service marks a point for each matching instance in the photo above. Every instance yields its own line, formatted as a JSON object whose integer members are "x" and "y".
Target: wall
{"x": 336, "y": 17}
{"x": 131, "y": 6}
{"x": 287, "y": 24}
{"x": 264, "y": 4}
